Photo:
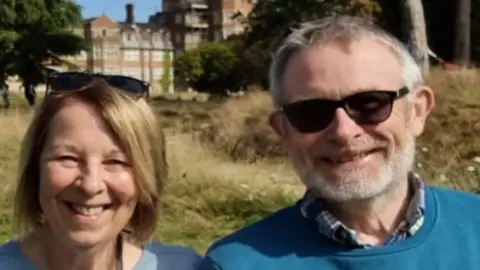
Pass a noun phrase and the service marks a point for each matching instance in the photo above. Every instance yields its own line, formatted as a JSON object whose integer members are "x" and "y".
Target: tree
{"x": 208, "y": 68}
{"x": 271, "y": 21}
{"x": 166, "y": 81}
{"x": 461, "y": 41}
{"x": 415, "y": 31}
{"x": 189, "y": 67}
{"x": 35, "y": 31}
{"x": 475, "y": 28}
{"x": 252, "y": 63}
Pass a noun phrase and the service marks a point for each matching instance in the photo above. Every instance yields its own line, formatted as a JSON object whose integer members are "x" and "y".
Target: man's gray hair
{"x": 336, "y": 28}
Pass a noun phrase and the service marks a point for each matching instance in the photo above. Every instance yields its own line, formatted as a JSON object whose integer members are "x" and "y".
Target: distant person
{"x": 5, "y": 93}
{"x": 29, "y": 92}
{"x": 92, "y": 167}
{"x": 350, "y": 103}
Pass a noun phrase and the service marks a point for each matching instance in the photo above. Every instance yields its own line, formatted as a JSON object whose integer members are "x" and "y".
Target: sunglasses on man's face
{"x": 365, "y": 108}
{"x": 74, "y": 81}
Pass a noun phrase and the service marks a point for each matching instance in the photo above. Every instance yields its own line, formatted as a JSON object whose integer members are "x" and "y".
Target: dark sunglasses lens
{"x": 69, "y": 81}
{"x": 310, "y": 115}
{"x": 128, "y": 85}
{"x": 370, "y": 108}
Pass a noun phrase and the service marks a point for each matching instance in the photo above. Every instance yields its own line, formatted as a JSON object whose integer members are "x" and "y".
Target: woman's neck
{"x": 49, "y": 252}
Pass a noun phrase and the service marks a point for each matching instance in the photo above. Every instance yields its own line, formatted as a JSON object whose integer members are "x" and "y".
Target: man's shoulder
{"x": 456, "y": 204}
{"x": 455, "y": 196}
{"x": 161, "y": 249}
{"x": 173, "y": 257}
{"x": 261, "y": 229}
{"x": 270, "y": 235}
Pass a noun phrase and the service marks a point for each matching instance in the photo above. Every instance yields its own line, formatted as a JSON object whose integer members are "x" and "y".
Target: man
{"x": 5, "y": 93}
{"x": 30, "y": 93}
{"x": 350, "y": 102}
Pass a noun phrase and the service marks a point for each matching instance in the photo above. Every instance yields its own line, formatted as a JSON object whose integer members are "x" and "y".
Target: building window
{"x": 216, "y": 18}
{"x": 131, "y": 55}
{"x": 178, "y": 18}
{"x": 227, "y": 16}
{"x": 97, "y": 51}
{"x": 218, "y": 36}
{"x": 104, "y": 32}
{"x": 158, "y": 56}
{"x": 110, "y": 52}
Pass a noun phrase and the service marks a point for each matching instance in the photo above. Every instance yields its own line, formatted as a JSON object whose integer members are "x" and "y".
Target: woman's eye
{"x": 67, "y": 160}
{"x": 116, "y": 162}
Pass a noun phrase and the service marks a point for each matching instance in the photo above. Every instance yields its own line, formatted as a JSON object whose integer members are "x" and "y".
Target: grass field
{"x": 227, "y": 169}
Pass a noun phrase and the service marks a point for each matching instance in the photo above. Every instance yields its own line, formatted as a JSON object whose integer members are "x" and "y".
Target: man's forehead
{"x": 335, "y": 70}
{"x": 325, "y": 55}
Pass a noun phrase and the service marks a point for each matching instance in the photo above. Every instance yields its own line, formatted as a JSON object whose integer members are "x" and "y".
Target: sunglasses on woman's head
{"x": 365, "y": 108}
{"x": 75, "y": 81}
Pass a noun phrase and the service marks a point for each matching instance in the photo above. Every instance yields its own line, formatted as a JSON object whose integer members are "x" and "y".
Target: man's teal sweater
{"x": 448, "y": 240}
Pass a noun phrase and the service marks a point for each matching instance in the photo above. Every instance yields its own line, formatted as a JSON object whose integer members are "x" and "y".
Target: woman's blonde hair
{"x": 136, "y": 128}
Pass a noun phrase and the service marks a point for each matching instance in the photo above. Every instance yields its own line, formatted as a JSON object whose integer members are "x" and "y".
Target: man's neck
{"x": 375, "y": 220}
{"x": 56, "y": 255}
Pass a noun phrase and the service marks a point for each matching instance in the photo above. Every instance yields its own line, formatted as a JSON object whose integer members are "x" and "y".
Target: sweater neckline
{"x": 430, "y": 221}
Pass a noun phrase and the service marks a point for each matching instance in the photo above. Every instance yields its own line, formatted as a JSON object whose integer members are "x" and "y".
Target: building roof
{"x": 125, "y": 25}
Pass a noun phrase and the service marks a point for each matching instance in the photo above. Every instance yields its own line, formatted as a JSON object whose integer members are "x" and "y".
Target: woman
{"x": 91, "y": 170}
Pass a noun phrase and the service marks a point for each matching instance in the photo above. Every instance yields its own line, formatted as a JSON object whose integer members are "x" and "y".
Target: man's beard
{"x": 363, "y": 183}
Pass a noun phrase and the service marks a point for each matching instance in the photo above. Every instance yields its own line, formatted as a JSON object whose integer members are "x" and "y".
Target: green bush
{"x": 208, "y": 67}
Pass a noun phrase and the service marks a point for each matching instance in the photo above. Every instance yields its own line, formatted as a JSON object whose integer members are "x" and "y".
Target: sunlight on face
{"x": 347, "y": 161}
{"x": 87, "y": 190}
{"x": 359, "y": 183}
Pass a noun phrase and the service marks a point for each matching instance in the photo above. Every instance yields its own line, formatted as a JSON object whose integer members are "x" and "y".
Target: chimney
{"x": 130, "y": 13}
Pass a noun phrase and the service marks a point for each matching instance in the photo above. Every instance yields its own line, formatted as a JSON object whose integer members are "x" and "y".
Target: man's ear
{"x": 278, "y": 123}
{"x": 422, "y": 107}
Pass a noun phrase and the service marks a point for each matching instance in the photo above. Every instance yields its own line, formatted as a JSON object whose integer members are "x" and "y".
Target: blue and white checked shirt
{"x": 313, "y": 208}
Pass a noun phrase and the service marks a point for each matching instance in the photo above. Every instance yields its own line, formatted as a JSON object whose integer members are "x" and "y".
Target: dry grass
{"x": 448, "y": 151}
{"x": 206, "y": 197}
{"x": 223, "y": 175}
{"x": 450, "y": 147}
{"x": 239, "y": 128}
{"x": 209, "y": 196}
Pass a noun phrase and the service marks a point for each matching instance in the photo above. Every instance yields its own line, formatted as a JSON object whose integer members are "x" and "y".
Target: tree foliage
{"x": 271, "y": 20}
{"x": 207, "y": 68}
{"x": 166, "y": 81}
{"x": 34, "y": 31}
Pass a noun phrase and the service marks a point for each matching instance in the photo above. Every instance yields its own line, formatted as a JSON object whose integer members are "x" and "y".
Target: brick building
{"x": 194, "y": 21}
{"x": 138, "y": 49}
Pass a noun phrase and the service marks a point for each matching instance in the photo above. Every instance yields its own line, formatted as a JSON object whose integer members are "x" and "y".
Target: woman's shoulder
{"x": 161, "y": 256}
{"x": 11, "y": 257}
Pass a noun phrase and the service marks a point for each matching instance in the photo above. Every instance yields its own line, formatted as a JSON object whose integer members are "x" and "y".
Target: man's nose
{"x": 343, "y": 128}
